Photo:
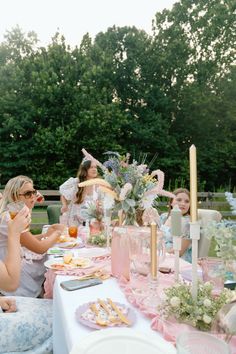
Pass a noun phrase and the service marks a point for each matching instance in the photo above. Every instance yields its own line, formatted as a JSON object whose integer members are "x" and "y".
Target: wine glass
{"x": 225, "y": 321}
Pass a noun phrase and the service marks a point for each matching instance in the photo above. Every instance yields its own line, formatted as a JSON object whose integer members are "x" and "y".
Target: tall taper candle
{"x": 194, "y": 226}
{"x": 193, "y": 182}
{"x": 153, "y": 250}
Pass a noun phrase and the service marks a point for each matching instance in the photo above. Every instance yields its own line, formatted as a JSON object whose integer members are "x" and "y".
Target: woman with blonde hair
{"x": 21, "y": 188}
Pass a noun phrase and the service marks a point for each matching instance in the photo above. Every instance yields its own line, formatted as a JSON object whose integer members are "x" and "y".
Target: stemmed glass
{"x": 225, "y": 321}
{"x": 152, "y": 298}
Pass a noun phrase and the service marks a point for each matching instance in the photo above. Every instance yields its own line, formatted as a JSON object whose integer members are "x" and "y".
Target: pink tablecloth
{"x": 169, "y": 329}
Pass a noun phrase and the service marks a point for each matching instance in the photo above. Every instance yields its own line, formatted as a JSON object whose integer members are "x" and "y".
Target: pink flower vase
{"x": 95, "y": 227}
{"x": 120, "y": 263}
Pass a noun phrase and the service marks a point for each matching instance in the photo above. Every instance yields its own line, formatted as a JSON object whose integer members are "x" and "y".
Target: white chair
{"x": 205, "y": 216}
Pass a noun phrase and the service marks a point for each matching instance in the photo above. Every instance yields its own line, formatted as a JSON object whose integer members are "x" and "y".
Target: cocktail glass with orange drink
{"x": 14, "y": 209}
{"x": 73, "y": 231}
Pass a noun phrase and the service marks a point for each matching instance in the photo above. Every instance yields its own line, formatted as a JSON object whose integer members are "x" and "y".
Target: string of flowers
{"x": 179, "y": 304}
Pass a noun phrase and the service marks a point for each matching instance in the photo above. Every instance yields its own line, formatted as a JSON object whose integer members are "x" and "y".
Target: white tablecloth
{"x": 67, "y": 332}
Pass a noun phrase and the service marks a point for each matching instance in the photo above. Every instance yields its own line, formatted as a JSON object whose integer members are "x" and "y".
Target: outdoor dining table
{"x": 67, "y": 331}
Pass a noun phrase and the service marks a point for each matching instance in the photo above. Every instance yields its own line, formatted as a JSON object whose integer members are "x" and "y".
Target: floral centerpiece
{"x": 179, "y": 304}
{"x": 131, "y": 186}
{"x": 224, "y": 234}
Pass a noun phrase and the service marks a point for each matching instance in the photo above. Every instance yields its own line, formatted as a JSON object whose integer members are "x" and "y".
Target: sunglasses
{"x": 29, "y": 194}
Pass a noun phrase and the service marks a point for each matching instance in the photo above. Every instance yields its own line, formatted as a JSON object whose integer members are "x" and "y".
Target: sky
{"x": 74, "y": 18}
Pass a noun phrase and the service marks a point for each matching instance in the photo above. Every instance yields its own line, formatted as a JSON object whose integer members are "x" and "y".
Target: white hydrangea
{"x": 207, "y": 319}
{"x": 175, "y": 301}
{"x": 207, "y": 303}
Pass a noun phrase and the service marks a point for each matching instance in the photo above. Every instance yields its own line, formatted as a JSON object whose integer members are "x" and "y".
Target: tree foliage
{"x": 151, "y": 95}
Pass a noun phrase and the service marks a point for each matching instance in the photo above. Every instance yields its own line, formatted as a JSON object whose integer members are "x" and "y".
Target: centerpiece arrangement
{"x": 180, "y": 305}
{"x": 131, "y": 188}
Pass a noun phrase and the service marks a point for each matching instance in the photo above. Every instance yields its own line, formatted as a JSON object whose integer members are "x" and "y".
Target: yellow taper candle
{"x": 153, "y": 250}
{"x": 193, "y": 182}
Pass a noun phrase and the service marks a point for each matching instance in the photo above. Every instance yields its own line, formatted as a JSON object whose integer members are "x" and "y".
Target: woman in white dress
{"x": 75, "y": 198}
{"x": 21, "y": 188}
{"x": 25, "y": 323}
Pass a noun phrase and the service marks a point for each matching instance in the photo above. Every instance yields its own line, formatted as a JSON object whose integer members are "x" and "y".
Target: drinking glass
{"x": 73, "y": 231}
{"x": 200, "y": 343}
{"x": 135, "y": 252}
{"x": 213, "y": 271}
{"x": 14, "y": 209}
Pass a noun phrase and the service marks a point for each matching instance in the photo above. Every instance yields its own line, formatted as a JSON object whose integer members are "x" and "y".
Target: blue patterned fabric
{"x": 29, "y": 330}
{"x": 187, "y": 256}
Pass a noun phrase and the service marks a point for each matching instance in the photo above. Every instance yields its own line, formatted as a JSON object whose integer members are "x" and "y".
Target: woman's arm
{"x": 10, "y": 268}
{"x": 39, "y": 246}
{"x": 64, "y": 203}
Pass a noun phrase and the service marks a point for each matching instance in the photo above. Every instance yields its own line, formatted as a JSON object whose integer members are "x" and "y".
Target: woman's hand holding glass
{"x": 20, "y": 221}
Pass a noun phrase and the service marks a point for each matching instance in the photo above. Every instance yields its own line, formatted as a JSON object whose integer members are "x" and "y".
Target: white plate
{"x": 121, "y": 340}
{"x": 51, "y": 264}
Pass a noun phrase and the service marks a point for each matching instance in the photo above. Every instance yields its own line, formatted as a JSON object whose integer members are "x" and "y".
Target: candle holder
{"x": 177, "y": 247}
{"x": 195, "y": 236}
{"x": 152, "y": 299}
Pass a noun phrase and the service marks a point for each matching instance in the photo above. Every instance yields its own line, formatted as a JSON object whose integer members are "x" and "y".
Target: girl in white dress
{"x": 74, "y": 198}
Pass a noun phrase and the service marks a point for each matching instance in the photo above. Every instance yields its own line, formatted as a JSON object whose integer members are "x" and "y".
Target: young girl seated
{"x": 182, "y": 199}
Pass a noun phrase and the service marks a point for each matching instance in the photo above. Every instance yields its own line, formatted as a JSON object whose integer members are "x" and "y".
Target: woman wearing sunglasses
{"x": 21, "y": 188}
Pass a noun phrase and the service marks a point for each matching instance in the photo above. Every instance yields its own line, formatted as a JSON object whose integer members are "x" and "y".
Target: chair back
{"x": 205, "y": 216}
{"x": 54, "y": 212}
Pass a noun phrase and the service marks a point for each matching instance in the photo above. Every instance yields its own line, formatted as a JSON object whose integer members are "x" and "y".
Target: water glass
{"x": 200, "y": 343}
{"x": 213, "y": 272}
{"x": 73, "y": 231}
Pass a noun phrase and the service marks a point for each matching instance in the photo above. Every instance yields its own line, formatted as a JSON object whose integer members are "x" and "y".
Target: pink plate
{"x": 130, "y": 314}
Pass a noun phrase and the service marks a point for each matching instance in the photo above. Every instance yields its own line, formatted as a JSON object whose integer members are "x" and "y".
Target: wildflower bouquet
{"x": 97, "y": 240}
{"x": 179, "y": 304}
{"x": 130, "y": 185}
{"x": 224, "y": 234}
{"x": 92, "y": 210}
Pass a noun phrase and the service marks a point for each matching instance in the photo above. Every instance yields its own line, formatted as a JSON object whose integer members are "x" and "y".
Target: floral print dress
{"x": 29, "y": 330}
